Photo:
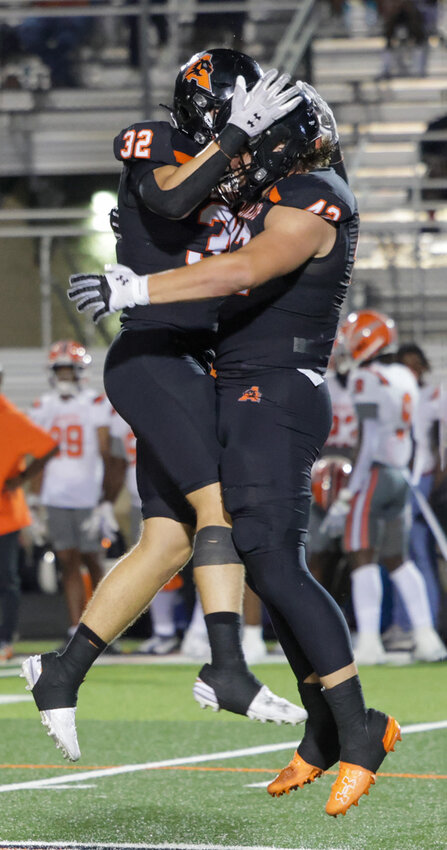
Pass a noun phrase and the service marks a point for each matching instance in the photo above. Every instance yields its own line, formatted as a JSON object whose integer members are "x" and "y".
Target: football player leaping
{"x": 274, "y": 414}
{"x": 157, "y": 379}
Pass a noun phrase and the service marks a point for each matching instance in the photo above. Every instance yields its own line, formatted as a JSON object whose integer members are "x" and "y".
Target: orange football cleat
{"x": 353, "y": 780}
{"x": 297, "y": 774}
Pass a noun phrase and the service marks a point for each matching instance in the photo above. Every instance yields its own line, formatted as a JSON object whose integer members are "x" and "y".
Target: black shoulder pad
{"x": 154, "y": 141}
{"x": 322, "y": 192}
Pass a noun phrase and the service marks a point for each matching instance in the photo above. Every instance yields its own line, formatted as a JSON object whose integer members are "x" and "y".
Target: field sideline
{"x": 156, "y": 772}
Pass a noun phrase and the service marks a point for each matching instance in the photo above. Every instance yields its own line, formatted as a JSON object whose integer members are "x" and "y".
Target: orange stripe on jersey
{"x": 381, "y": 377}
{"x": 364, "y": 539}
{"x": 274, "y": 195}
{"x": 182, "y": 157}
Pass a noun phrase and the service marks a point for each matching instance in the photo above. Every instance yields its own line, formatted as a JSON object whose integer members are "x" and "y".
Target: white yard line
{"x": 7, "y": 699}
{"x": 100, "y": 846}
{"x": 204, "y": 757}
{"x": 134, "y": 768}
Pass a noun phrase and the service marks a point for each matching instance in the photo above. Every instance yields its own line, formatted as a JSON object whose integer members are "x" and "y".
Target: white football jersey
{"x": 393, "y": 389}
{"x": 120, "y": 429}
{"x": 344, "y": 431}
{"x": 73, "y": 478}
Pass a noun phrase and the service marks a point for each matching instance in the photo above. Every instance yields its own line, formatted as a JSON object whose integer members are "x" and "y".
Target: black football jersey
{"x": 292, "y": 321}
{"x": 149, "y": 243}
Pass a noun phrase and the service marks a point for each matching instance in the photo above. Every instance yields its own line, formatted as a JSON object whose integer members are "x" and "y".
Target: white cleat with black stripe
{"x": 241, "y": 693}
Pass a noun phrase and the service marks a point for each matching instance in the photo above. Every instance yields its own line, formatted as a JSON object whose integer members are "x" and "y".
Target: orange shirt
{"x": 19, "y": 436}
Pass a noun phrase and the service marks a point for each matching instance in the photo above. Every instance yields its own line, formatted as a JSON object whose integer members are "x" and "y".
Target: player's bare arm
{"x": 291, "y": 237}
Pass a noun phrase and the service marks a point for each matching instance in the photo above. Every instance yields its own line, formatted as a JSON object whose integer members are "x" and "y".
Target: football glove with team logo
{"x": 107, "y": 293}
{"x": 268, "y": 101}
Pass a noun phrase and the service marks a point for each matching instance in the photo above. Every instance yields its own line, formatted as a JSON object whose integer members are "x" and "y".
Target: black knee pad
{"x": 214, "y": 546}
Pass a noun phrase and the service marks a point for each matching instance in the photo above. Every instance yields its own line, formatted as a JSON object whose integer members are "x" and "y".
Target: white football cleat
{"x": 265, "y": 707}
{"x": 428, "y": 645}
{"x": 60, "y": 722}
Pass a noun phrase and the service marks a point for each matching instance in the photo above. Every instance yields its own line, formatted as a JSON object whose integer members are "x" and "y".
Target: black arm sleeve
{"x": 338, "y": 164}
{"x": 178, "y": 202}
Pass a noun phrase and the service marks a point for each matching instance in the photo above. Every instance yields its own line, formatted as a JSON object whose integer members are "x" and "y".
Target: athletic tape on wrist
{"x": 231, "y": 139}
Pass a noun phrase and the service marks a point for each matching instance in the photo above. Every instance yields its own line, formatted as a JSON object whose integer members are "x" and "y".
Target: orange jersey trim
{"x": 274, "y": 195}
{"x": 182, "y": 157}
{"x": 364, "y": 536}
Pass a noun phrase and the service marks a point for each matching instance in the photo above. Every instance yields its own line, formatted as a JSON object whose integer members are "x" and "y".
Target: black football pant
{"x": 272, "y": 425}
{"x": 156, "y": 381}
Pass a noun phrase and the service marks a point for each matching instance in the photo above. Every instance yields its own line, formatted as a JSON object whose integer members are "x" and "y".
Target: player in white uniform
{"x": 343, "y": 435}
{"x": 385, "y": 395}
{"x": 72, "y": 486}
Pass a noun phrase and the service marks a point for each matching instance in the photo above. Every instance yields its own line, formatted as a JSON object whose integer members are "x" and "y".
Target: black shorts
{"x": 272, "y": 425}
{"x": 158, "y": 382}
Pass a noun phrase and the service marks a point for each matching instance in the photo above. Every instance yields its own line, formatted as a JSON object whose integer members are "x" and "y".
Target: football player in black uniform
{"x": 157, "y": 378}
{"x": 274, "y": 416}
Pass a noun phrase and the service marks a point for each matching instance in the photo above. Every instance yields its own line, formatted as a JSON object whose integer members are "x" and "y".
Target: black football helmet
{"x": 204, "y": 84}
{"x": 272, "y": 154}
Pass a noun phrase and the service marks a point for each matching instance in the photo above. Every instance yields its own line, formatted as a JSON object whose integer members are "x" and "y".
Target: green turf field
{"x": 179, "y": 776}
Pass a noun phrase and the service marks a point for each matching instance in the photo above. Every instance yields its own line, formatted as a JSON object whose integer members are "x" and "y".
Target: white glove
{"x": 119, "y": 287}
{"x": 39, "y": 526}
{"x": 334, "y": 521}
{"x": 326, "y": 117}
{"x": 256, "y": 110}
{"x": 114, "y": 219}
{"x": 101, "y": 523}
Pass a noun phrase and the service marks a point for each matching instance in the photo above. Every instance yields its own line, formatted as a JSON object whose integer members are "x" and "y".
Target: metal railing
{"x": 296, "y": 43}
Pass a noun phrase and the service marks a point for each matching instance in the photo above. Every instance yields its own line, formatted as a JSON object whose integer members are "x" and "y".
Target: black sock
{"x": 79, "y": 655}
{"x": 224, "y": 633}
{"x": 320, "y": 745}
{"x": 349, "y": 711}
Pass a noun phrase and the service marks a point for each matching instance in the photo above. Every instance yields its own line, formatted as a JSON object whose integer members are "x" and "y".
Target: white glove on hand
{"x": 326, "y": 117}
{"x": 334, "y": 521}
{"x": 119, "y": 287}
{"x": 257, "y": 109}
{"x": 114, "y": 219}
{"x": 39, "y": 526}
{"x": 101, "y": 523}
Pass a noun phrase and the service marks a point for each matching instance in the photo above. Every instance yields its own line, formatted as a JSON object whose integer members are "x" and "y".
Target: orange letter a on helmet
{"x": 201, "y": 72}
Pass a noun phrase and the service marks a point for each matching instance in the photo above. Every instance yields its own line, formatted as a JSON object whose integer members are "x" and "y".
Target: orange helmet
{"x": 329, "y": 475}
{"x": 66, "y": 352}
{"x": 366, "y": 333}
{"x": 340, "y": 360}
